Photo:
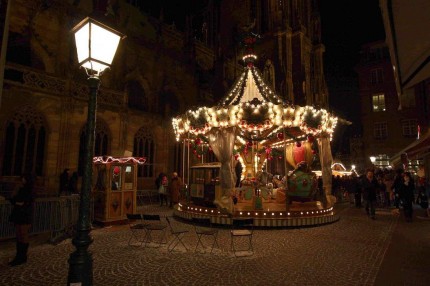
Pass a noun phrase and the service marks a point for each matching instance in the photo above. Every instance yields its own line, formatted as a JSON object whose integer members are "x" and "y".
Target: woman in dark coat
{"x": 22, "y": 201}
{"x": 406, "y": 195}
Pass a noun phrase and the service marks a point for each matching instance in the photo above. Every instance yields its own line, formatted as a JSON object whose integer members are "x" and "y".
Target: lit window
{"x": 382, "y": 161}
{"x": 409, "y": 127}
{"x": 380, "y": 130}
{"x": 378, "y": 102}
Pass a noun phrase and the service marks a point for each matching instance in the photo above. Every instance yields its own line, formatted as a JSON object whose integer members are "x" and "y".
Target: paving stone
{"x": 348, "y": 252}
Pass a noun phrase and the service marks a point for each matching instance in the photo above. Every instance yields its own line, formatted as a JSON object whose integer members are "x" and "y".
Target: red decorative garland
{"x": 110, "y": 159}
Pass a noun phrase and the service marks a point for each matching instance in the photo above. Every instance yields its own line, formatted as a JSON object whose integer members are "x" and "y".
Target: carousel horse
{"x": 302, "y": 184}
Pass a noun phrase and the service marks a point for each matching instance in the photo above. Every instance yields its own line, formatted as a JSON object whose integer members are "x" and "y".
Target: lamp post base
{"x": 81, "y": 269}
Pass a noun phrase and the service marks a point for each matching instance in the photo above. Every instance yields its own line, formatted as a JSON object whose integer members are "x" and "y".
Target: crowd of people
{"x": 382, "y": 188}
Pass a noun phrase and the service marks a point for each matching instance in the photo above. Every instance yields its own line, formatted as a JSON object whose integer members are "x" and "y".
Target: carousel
{"x": 265, "y": 148}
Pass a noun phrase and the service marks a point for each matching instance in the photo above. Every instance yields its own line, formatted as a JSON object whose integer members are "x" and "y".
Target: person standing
{"x": 21, "y": 215}
{"x": 406, "y": 195}
{"x": 397, "y": 185}
{"x": 369, "y": 187}
{"x": 73, "y": 183}
{"x": 64, "y": 182}
{"x": 162, "y": 190}
{"x": 175, "y": 187}
{"x": 358, "y": 191}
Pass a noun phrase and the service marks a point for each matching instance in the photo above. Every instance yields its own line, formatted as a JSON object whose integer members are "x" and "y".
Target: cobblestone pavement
{"x": 353, "y": 251}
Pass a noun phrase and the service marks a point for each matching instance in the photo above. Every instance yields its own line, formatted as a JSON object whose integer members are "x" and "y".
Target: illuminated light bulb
{"x": 264, "y": 213}
{"x": 249, "y": 213}
{"x": 273, "y": 213}
{"x": 288, "y": 214}
{"x": 280, "y": 214}
{"x": 240, "y": 213}
{"x": 256, "y": 213}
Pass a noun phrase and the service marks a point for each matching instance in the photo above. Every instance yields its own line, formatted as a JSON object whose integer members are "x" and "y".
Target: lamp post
{"x": 96, "y": 45}
{"x": 373, "y": 160}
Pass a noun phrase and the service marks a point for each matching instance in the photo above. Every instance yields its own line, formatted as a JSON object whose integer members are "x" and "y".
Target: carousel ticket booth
{"x": 205, "y": 185}
{"x": 114, "y": 188}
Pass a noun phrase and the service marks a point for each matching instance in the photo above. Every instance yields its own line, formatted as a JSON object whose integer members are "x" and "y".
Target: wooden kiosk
{"x": 114, "y": 187}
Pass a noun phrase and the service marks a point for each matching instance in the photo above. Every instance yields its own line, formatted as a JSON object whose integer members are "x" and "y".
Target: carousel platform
{"x": 271, "y": 215}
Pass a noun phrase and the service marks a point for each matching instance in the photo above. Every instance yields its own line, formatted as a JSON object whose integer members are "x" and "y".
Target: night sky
{"x": 346, "y": 25}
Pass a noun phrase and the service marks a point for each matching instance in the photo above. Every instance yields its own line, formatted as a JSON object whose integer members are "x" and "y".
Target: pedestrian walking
{"x": 21, "y": 215}
{"x": 406, "y": 195}
{"x": 163, "y": 191}
{"x": 175, "y": 188}
{"x": 73, "y": 183}
{"x": 369, "y": 188}
{"x": 64, "y": 182}
{"x": 397, "y": 185}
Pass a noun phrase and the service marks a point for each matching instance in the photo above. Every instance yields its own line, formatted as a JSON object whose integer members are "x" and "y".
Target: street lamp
{"x": 96, "y": 45}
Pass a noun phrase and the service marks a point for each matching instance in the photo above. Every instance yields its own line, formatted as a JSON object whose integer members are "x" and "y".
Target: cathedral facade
{"x": 161, "y": 69}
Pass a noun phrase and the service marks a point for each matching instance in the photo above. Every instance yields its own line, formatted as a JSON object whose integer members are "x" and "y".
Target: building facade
{"x": 388, "y": 124}
{"x": 159, "y": 70}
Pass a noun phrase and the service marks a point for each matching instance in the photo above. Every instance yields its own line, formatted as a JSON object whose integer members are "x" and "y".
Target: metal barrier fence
{"x": 54, "y": 215}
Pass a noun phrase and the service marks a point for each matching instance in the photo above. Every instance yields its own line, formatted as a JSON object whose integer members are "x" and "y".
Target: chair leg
{"x": 135, "y": 236}
{"x": 162, "y": 238}
{"x": 199, "y": 241}
{"x": 250, "y": 246}
{"x": 178, "y": 240}
{"x": 215, "y": 242}
{"x": 148, "y": 238}
{"x": 175, "y": 238}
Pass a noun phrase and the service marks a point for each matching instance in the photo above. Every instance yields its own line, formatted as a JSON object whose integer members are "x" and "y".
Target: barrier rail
{"x": 150, "y": 194}
{"x": 54, "y": 215}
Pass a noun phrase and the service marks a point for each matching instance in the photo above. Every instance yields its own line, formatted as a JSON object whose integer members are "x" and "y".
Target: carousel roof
{"x": 249, "y": 87}
{"x": 257, "y": 111}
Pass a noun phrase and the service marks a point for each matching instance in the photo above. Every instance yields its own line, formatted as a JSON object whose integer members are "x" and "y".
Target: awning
{"x": 415, "y": 150}
{"x": 408, "y": 37}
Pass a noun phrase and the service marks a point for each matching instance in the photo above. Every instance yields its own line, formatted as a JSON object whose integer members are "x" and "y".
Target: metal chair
{"x": 136, "y": 225}
{"x": 178, "y": 233}
{"x": 242, "y": 228}
{"x": 154, "y": 224}
{"x": 203, "y": 227}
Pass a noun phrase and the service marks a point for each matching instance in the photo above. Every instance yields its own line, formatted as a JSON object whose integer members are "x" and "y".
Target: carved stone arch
{"x": 138, "y": 93}
{"x": 39, "y": 51}
{"x": 170, "y": 99}
{"x": 25, "y": 139}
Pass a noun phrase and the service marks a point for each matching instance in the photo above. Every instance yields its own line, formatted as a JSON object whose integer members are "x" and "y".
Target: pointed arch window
{"x": 137, "y": 98}
{"x": 144, "y": 146}
{"x": 25, "y": 142}
{"x": 101, "y": 146}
